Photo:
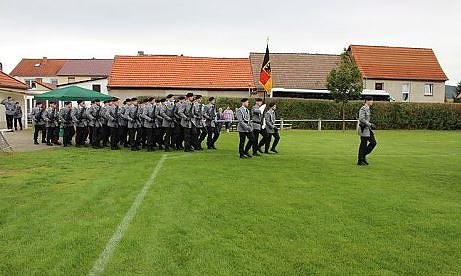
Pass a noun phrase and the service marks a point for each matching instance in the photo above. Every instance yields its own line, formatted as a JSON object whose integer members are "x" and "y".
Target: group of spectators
{"x": 13, "y": 114}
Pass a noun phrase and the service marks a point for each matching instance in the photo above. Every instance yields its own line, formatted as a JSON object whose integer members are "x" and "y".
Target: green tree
{"x": 345, "y": 82}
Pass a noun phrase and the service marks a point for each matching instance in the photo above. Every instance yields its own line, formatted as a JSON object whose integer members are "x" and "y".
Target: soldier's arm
{"x": 163, "y": 114}
{"x": 269, "y": 123}
{"x": 205, "y": 112}
{"x": 240, "y": 119}
{"x": 45, "y": 116}
{"x": 89, "y": 114}
{"x": 145, "y": 116}
{"x": 181, "y": 110}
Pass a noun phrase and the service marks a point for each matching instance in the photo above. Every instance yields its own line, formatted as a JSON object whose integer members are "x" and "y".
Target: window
{"x": 429, "y": 89}
{"x": 97, "y": 87}
{"x": 70, "y": 79}
{"x": 30, "y": 83}
{"x": 379, "y": 86}
{"x": 54, "y": 81}
{"x": 405, "y": 92}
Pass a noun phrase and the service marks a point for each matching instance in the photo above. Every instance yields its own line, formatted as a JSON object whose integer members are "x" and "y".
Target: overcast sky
{"x": 104, "y": 28}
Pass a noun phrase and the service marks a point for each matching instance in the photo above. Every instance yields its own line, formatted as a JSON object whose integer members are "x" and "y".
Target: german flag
{"x": 265, "y": 76}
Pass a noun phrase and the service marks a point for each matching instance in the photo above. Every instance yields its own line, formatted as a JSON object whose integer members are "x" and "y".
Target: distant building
{"x": 97, "y": 84}
{"x": 11, "y": 87}
{"x": 78, "y": 70}
{"x": 42, "y": 70}
{"x": 159, "y": 75}
{"x": 296, "y": 75}
{"x": 407, "y": 74}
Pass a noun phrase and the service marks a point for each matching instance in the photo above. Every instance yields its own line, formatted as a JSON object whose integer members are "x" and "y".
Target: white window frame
{"x": 407, "y": 85}
{"x": 431, "y": 89}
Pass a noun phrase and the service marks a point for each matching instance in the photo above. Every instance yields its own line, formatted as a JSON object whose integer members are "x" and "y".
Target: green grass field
{"x": 307, "y": 210}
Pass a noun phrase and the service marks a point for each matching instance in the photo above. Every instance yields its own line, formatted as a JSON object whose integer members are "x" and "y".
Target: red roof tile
{"x": 381, "y": 62}
{"x": 46, "y": 84}
{"x": 7, "y": 81}
{"x": 44, "y": 67}
{"x": 181, "y": 72}
{"x": 296, "y": 70}
{"x": 86, "y": 67}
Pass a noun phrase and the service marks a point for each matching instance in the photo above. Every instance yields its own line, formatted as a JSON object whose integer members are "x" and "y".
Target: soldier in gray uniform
{"x": 210, "y": 115}
{"x": 244, "y": 128}
{"x": 167, "y": 114}
{"x": 80, "y": 121}
{"x": 185, "y": 111}
{"x": 113, "y": 119}
{"x": 271, "y": 129}
{"x": 256, "y": 123}
{"x": 178, "y": 132}
{"x": 105, "y": 130}
{"x": 9, "y": 111}
{"x": 94, "y": 122}
{"x": 148, "y": 116}
{"x": 123, "y": 123}
{"x": 365, "y": 131}
{"x": 51, "y": 118}
{"x": 159, "y": 131}
{"x": 141, "y": 129}
{"x": 132, "y": 114}
{"x": 17, "y": 116}
{"x": 199, "y": 122}
{"x": 65, "y": 117}
{"x": 38, "y": 122}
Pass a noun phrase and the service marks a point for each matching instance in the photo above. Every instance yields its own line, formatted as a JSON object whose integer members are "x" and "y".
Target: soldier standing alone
{"x": 365, "y": 131}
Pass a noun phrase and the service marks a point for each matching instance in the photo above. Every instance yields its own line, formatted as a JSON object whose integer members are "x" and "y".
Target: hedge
{"x": 385, "y": 115}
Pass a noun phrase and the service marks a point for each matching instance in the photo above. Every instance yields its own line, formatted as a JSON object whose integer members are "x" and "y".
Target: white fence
{"x": 285, "y": 124}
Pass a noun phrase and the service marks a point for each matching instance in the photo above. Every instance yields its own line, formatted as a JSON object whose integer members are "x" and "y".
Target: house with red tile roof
{"x": 160, "y": 75}
{"x": 11, "y": 87}
{"x": 407, "y": 74}
{"x": 43, "y": 70}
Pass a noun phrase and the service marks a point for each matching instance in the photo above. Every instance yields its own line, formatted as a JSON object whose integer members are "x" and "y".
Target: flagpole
{"x": 265, "y": 92}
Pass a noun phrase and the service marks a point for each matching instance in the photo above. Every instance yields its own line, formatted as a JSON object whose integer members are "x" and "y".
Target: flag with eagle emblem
{"x": 265, "y": 76}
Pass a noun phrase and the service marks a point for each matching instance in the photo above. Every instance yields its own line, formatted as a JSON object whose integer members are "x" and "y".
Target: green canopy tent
{"x": 72, "y": 93}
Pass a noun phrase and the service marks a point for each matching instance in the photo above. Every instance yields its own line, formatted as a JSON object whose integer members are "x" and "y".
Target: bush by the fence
{"x": 440, "y": 116}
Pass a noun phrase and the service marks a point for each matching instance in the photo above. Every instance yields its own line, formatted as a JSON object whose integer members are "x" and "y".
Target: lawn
{"x": 307, "y": 210}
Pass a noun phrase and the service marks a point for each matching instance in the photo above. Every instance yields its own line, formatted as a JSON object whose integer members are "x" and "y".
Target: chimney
{"x": 1, "y": 67}
{"x": 44, "y": 60}
{"x": 140, "y": 53}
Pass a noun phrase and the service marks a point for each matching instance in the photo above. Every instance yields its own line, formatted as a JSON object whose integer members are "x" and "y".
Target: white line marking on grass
{"x": 105, "y": 256}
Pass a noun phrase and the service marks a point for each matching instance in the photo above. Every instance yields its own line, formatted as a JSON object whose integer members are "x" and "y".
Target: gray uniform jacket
{"x": 113, "y": 116}
{"x": 94, "y": 116}
{"x": 36, "y": 115}
{"x": 122, "y": 121}
{"x": 158, "y": 118}
{"x": 185, "y": 111}
{"x": 209, "y": 113}
{"x": 197, "y": 113}
{"x": 65, "y": 117}
{"x": 51, "y": 117}
{"x": 243, "y": 117}
{"x": 104, "y": 111}
{"x": 132, "y": 114}
{"x": 177, "y": 117}
{"x": 9, "y": 107}
{"x": 270, "y": 122}
{"x": 148, "y": 115}
{"x": 256, "y": 117}
{"x": 364, "y": 126}
{"x": 167, "y": 114}
{"x": 79, "y": 116}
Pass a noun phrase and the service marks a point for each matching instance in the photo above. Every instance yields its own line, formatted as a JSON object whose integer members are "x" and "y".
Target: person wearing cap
{"x": 256, "y": 123}
{"x": 123, "y": 123}
{"x": 65, "y": 117}
{"x": 80, "y": 121}
{"x": 271, "y": 130}
{"x": 167, "y": 114}
{"x": 38, "y": 122}
{"x": 51, "y": 118}
{"x": 185, "y": 111}
{"x": 132, "y": 114}
{"x": 105, "y": 129}
{"x": 113, "y": 119}
{"x": 178, "y": 132}
{"x": 17, "y": 116}
{"x": 9, "y": 111}
{"x": 210, "y": 115}
{"x": 141, "y": 129}
{"x": 94, "y": 117}
{"x": 244, "y": 128}
{"x": 198, "y": 123}
{"x": 148, "y": 116}
{"x": 365, "y": 131}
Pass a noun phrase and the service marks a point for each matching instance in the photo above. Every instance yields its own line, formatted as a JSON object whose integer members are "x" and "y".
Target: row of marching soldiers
{"x": 169, "y": 123}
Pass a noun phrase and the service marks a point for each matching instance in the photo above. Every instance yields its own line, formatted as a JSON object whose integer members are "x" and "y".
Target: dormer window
{"x": 37, "y": 65}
